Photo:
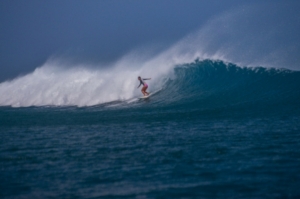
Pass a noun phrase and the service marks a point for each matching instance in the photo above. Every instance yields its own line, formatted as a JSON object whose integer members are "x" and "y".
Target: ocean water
{"x": 211, "y": 129}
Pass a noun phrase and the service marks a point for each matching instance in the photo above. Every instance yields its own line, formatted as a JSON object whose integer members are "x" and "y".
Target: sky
{"x": 32, "y": 31}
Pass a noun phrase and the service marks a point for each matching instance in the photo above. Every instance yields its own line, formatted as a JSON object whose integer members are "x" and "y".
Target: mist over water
{"x": 250, "y": 36}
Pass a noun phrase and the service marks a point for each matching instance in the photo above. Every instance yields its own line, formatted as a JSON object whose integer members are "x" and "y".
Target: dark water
{"x": 215, "y": 131}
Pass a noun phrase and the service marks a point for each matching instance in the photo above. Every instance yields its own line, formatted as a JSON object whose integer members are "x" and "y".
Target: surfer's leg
{"x": 144, "y": 89}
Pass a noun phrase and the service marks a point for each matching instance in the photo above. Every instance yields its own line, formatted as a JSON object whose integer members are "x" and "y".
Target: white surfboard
{"x": 144, "y": 97}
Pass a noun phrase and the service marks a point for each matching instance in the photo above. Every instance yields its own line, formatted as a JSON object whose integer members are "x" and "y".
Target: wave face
{"x": 216, "y": 85}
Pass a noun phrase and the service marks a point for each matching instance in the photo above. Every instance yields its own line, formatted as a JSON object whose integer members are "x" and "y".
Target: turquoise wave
{"x": 212, "y": 84}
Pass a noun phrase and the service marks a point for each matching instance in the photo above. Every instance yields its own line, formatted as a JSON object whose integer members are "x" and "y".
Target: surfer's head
{"x": 139, "y": 78}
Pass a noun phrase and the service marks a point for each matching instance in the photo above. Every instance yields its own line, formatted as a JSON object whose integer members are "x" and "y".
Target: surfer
{"x": 145, "y": 86}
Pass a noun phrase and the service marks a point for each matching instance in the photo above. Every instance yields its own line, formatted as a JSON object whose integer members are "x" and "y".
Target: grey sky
{"x": 96, "y": 30}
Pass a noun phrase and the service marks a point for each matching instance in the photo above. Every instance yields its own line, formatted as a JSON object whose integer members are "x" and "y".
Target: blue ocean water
{"x": 215, "y": 130}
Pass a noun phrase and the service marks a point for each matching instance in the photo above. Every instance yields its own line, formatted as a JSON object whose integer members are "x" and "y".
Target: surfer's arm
{"x": 147, "y": 79}
{"x": 139, "y": 85}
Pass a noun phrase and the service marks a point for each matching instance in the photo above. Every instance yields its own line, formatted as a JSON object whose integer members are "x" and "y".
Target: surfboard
{"x": 145, "y": 97}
